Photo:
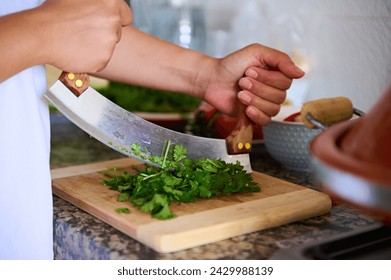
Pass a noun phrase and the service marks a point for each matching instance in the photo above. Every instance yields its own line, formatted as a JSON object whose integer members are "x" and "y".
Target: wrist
{"x": 204, "y": 75}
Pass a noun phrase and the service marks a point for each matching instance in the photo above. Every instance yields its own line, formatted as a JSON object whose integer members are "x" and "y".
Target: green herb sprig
{"x": 178, "y": 179}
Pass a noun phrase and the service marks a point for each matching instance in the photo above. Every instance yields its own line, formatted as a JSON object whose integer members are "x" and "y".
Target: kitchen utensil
{"x": 371, "y": 242}
{"x": 118, "y": 128}
{"x": 352, "y": 160}
{"x": 201, "y": 222}
{"x": 325, "y": 112}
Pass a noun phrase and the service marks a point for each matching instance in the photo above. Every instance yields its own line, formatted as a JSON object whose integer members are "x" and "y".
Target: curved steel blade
{"x": 118, "y": 128}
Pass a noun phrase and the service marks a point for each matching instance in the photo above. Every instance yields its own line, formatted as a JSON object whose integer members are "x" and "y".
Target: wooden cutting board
{"x": 198, "y": 223}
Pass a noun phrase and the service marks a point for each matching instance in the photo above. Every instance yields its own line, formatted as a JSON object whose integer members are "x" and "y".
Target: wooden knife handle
{"x": 76, "y": 82}
{"x": 241, "y": 138}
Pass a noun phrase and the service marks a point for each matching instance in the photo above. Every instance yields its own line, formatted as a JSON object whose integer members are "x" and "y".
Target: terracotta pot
{"x": 352, "y": 160}
{"x": 370, "y": 139}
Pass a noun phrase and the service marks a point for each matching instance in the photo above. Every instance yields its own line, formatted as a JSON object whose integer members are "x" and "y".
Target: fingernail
{"x": 251, "y": 73}
{"x": 299, "y": 71}
{"x": 251, "y": 110}
{"x": 245, "y": 84}
{"x": 244, "y": 97}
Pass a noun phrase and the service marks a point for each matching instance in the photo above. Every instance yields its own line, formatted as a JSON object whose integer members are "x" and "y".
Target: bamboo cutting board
{"x": 198, "y": 223}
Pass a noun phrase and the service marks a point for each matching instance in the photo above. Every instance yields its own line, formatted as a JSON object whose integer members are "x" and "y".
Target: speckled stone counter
{"x": 78, "y": 235}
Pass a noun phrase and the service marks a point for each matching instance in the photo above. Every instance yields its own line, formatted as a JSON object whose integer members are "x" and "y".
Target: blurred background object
{"x": 178, "y": 21}
{"x": 342, "y": 45}
{"x": 288, "y": 142}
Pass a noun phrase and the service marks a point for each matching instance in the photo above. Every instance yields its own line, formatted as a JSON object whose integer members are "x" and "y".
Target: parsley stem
{"x": 146, "y": 177}
{"x": 165, "y": 155}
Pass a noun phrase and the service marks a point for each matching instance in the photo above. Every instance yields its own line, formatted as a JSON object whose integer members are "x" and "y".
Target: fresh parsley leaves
{"x": 178, "y": 179}
{"x": 122, "y": 210}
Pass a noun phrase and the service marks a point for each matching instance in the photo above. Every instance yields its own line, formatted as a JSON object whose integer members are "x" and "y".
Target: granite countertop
{"x": 78, "y": 235}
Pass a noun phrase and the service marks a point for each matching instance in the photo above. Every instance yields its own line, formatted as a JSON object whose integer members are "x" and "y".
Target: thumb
{"x": 291, "y": 70}
{"x": 126, "y": 14}
{"x": 281, "y": 61}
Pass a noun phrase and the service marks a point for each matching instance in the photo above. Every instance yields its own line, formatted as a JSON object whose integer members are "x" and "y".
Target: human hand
{"x": 256, "y": 76}
{"x": 81, "y": 35}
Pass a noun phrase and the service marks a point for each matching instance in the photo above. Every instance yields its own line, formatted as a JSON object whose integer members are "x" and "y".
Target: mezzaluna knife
{"x": 117, "y": 128}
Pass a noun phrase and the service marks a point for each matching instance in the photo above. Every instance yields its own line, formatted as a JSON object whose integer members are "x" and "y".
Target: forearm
{"x": 141, "y": 59}
{"x": 20, "y": 45}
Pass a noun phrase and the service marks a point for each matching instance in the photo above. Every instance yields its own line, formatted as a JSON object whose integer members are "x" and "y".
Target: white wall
{"x": 345, "y": 45}
{"x": 349, "y": 46}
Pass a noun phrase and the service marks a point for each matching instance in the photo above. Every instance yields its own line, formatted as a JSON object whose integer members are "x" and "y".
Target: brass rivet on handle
{"x": 71, "y": 76}
{"x": 79, "y": 83}
{"x": 240, "y": 146}
{"x": 247, "y": 146}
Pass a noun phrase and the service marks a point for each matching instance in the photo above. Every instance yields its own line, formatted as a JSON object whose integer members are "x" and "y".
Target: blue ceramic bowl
{"x": 288, "y": 143}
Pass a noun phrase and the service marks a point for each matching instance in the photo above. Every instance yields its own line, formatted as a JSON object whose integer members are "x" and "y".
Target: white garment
{"x": 26, "y": 212}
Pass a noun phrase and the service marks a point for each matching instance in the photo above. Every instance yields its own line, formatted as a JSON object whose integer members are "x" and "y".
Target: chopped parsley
{"x": 122, "y": 210}
{"x": 178, "y": 179}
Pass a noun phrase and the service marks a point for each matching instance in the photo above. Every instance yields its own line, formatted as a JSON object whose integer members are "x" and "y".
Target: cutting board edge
{"x": 163, "y": 242}
{"x": 74, "y": 170}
